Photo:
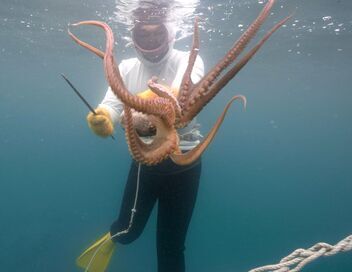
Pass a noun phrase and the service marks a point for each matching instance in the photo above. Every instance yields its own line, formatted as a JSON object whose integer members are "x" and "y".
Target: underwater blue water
{"x": 277, "y": 177}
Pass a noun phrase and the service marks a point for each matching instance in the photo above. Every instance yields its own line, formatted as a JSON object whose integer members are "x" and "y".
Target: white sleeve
{"x": 113, "y": 105}
{"x": 111, "y": 102}
{"x": 197, "y": 72}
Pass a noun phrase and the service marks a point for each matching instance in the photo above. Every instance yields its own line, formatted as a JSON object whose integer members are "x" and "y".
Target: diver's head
{"x": 152, "y": 41}
{"x": 153, "y": 36}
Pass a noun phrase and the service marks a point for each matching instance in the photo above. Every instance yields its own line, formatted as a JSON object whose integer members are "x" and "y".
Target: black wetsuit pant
{"x": 175, "y": 187}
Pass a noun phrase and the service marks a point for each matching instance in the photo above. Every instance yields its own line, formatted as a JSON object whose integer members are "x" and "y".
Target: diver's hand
{"x": 101, "y": 123}
{"x": 142, "y": 124}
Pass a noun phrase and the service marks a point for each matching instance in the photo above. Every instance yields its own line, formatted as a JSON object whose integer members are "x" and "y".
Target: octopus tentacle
{"x": 158, "y": 106}
{"x": 195, "y": 153}
{"x": 165, "y": 141}
{"x": 233, "y": 71}
{"x": 207, "y": 81}
{"x": 214, "y": 89}
{"x": 91, "y": 48}
{"x": 186, "y": 83}
{"x": 164, "y": 92}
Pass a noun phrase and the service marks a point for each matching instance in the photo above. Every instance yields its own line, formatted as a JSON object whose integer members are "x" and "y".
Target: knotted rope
{"x": 301, "y": 257}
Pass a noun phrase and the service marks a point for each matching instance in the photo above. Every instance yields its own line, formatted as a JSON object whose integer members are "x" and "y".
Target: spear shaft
{"x": 79, "y": 94}
{"x": 81, "y": 97}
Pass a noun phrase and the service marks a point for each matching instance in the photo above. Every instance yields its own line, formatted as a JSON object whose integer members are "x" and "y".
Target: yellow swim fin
{"x": 98, "y": 255}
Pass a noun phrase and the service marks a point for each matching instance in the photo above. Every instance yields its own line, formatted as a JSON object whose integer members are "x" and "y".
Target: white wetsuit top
{"x": 136, "y": 73}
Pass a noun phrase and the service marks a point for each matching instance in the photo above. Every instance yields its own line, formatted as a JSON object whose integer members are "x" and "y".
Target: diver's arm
{"x": 110, "y": 112}
{"x": 113, "y": 105}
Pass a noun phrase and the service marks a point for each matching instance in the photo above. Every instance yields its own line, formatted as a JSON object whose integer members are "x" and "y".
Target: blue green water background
{"x": 277, "y": 177}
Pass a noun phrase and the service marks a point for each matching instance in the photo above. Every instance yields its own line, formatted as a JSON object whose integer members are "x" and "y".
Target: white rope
{"x": 133, "y": 211}
{"x": 301, "y": 257}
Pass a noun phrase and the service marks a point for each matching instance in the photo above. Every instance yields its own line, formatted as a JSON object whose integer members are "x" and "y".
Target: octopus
{"x": 167, "y": 111}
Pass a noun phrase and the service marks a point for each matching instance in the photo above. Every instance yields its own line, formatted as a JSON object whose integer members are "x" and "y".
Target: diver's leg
{"x": 145, "y": 203}
{"x": 176, "y": 202}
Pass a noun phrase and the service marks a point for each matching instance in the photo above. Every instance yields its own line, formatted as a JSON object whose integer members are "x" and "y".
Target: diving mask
{"x": 151, "y": 40}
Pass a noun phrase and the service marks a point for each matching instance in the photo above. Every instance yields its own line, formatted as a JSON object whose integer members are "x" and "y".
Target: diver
{"x": 174, "y": 188}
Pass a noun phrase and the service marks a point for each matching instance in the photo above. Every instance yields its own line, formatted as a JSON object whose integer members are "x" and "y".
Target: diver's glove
{"x": 101, "y": 123}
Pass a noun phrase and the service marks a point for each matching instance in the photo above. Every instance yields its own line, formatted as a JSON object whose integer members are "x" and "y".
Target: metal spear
{"x": 81, "y": 97}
